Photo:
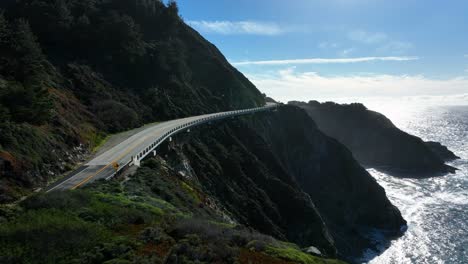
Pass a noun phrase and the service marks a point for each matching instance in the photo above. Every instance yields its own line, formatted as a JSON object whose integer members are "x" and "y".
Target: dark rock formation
{"x": 442, "y": 151}
{"x": 375, "y": 141}
{"x": 95, "y": 67}
{"x": 282, "y": 176}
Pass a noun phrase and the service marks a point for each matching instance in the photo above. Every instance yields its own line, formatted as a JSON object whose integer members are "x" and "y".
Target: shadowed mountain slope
{"x": 375, "y": 141}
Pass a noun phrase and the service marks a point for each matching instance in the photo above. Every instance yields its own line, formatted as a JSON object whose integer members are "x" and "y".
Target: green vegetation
{"x": 44, "y": 236}
{"x": 98, "y": 140}
{"x": 129, "y": 222}
{"x": 73, "y": 70}
{"x": 23, "y": 75}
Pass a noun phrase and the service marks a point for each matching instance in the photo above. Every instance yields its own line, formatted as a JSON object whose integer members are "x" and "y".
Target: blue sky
{"x": 326, "y": 49}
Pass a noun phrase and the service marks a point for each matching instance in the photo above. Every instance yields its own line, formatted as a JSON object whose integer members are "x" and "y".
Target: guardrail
{"x": 149, "y": 149}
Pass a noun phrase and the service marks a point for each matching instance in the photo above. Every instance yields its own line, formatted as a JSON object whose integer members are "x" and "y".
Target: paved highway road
{"x": 135, "y": 148}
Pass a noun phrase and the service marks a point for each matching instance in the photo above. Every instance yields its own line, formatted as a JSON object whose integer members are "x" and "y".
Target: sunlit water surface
{"x": 436, "y": 208}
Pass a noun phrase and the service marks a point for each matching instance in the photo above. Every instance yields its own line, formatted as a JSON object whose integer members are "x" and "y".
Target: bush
{"x": 57, "y": 200}
{"x": 47, "y": 236}
{"x": 116, "y": 116}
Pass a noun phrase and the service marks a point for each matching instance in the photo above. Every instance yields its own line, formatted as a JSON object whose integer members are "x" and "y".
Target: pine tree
{"x": 173, "y": 7}
{"x": 27, "y": 98}
{"x": 4, "y": 30}
{"x": 28, "y": 52}
{"x": 5, "y": 52}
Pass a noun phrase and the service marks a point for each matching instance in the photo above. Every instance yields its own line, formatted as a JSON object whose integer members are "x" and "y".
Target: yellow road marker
{"x": 118, "y": 158}
{"x": 114, "y": 161}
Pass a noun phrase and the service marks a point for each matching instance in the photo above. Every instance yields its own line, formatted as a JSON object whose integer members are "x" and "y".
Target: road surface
{"x": 132, "y": 150}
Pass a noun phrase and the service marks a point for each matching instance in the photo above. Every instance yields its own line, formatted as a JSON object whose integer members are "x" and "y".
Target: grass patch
{"x": 98, "y": 140}
{"x": 191, "y": 192}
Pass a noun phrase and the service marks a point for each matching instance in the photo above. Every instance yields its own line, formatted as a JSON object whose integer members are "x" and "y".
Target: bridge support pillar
{"x": 136, "y": 162}
{"x": 188, "y": 130}
{"x": 170, "y": 139}
{"x": 154, "y": 153}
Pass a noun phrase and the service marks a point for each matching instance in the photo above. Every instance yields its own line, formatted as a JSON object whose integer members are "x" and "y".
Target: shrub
{"x": 116, "y": 116}
{"x": 47, "y": 236}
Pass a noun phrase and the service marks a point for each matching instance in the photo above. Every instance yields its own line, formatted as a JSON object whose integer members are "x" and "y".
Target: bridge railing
{"x": 158, "y": 141}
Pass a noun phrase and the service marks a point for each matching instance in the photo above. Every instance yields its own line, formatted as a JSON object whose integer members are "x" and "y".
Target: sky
{"x": 337, "y": 49}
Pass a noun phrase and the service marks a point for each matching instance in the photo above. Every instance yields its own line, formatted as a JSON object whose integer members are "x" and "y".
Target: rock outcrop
{"x": 376, "y": 142}
{"x": 441, "y": 151}
{"x": 282, "y": 176}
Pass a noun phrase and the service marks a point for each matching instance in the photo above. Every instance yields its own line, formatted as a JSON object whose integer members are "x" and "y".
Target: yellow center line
{"x": 115, "y": 160}
{"x": 121, "y": 156}
{"x": 89, "y": 178}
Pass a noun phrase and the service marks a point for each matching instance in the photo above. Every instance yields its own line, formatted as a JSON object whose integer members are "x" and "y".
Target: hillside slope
{"x": 156, "y": 216}
{"x": 72, "y": 71}
{"x": 375, "y": 141}
{"x": 272, "y": 173}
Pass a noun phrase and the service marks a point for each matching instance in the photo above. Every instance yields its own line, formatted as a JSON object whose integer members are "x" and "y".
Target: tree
{"x": 173, "y": 7}
{"x": 50, "y": 18}
{"x": 116, "y": 116}
{"x": 30, "y": 104}
{"x": 28, "y": 52}
{"x": 5, "y": 52}
{"x": 4, "y": 29}
{"x": 24, "y": 97}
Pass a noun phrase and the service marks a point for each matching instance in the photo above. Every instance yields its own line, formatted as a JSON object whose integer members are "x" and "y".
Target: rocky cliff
{"x": 73, "y": 71}
{"x": 376, "y": 142}
{"x": 279, "y": 174}
{"x": 213, "y": 194}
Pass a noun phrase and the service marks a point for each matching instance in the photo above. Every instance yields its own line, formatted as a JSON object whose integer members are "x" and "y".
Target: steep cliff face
{"x": 279, "y": 174}
{"x": 375, "y": 141}
{"x": 240, "y": 170}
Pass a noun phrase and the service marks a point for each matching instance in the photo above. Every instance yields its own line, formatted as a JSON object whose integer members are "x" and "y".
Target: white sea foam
{"x": 436, "y": 208}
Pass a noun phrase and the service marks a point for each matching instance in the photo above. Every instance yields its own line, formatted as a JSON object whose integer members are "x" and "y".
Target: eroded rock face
{"x": 254, "y": 187}
{"x": 376, "y": 142}
{"x": 441, "y": 151}
{"x": 282, "y": 176}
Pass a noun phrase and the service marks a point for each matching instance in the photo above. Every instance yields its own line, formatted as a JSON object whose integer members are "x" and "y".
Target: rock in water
{"x": 376, "y": 142}
{"x": 442, "y": 151}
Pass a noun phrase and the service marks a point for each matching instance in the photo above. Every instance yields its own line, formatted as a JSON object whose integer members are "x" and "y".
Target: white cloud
{"x": 383, "y": 42}
{"x": 367, "y": 37}
{"x": 323, "y": 61}
{"x": 286, "y": 85}
{"x": 238, "y": 27}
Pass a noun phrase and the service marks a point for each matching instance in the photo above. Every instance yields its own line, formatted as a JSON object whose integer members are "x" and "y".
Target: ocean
{"x": 436, "y": 208}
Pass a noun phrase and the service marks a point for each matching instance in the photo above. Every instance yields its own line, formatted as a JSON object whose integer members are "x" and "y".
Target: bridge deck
{"x": 139, "y": 146}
